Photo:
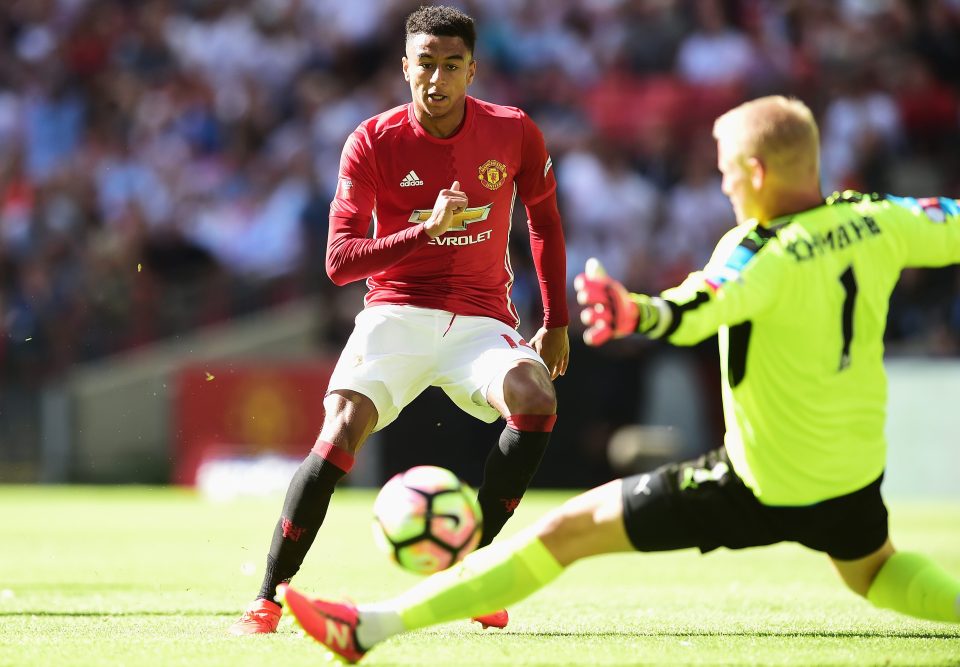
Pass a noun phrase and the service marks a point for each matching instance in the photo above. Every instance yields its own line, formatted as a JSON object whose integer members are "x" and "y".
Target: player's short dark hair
{"x": 443, "y": 21}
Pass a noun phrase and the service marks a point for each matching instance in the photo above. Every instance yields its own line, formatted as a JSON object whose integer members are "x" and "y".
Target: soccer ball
{"x": 426, "y": 519}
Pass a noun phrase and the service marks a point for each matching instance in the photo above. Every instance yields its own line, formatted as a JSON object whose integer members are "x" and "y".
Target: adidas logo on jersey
{"x": 411, "y": 180}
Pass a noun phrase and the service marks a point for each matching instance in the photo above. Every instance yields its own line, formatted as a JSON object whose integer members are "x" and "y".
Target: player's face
{"x": 439, "y": 69}
{"x": 737, "y": 184}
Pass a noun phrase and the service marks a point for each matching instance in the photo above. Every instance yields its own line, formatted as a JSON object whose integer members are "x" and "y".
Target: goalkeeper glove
{"x": 610, "y": 311}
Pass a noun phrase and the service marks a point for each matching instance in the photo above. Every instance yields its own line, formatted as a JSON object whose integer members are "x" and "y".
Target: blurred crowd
{"x": 166, "y": 164}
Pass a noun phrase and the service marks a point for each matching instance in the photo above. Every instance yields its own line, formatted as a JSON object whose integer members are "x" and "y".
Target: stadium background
{"x": 166, "y": 168}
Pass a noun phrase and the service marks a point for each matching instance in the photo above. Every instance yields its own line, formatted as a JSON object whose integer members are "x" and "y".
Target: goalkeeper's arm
{"x": 612, "y": 312}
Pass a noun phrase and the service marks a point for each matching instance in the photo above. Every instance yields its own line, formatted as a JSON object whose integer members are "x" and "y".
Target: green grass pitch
{"x": 153, "y": 576}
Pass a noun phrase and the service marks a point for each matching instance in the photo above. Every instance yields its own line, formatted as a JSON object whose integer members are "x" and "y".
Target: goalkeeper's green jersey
{"x": 800, "y": 308}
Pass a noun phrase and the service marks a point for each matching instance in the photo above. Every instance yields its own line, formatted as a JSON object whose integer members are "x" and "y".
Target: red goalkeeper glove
{"x": 609, "y": 311}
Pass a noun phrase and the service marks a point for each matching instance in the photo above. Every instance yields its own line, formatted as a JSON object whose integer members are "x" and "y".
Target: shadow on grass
{"x": 827, "y": 634}
{"x": 117, "y": 614}
{"x": 837, "y": 634}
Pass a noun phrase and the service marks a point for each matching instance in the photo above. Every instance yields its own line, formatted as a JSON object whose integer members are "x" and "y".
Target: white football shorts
{"x": 396, "y": 351}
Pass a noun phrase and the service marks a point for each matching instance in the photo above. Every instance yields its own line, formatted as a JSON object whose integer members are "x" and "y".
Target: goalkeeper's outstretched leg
{"x": 485, "y": 581}
{"x": 701, "y": 504}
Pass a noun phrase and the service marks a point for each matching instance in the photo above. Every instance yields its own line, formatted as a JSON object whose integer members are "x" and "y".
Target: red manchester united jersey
{"x": 393, "y": 169}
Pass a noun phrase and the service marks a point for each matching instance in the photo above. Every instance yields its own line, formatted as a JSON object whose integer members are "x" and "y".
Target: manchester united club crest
{"x": 492, "y": 174}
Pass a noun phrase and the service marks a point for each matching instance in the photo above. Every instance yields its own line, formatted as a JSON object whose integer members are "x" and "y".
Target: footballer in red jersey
{"x": 393, "y": 168}
{"x": 437, "y": 181}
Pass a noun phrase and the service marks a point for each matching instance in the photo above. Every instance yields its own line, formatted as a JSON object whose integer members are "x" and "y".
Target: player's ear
{"x": 471, "y": 70}
{"x": 757, "y": 171}
{"x": 406, "y": 69}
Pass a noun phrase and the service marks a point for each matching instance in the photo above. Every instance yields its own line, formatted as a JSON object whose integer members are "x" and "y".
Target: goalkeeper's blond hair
{"x": 781, "y": 132}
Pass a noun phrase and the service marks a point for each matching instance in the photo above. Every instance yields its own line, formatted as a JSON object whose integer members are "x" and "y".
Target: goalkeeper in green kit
{"x": 798, "y": 292}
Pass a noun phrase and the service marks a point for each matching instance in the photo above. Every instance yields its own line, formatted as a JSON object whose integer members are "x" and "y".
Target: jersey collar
{"x": 469, "y": 113}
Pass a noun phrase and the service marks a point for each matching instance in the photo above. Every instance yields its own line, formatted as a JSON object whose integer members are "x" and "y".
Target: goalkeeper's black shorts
{"x": 704, "y": 504}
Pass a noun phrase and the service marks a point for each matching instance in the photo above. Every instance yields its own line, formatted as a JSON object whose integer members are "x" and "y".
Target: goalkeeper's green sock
{"x": 487, "y": 580}
{"x": 913, "y": 584}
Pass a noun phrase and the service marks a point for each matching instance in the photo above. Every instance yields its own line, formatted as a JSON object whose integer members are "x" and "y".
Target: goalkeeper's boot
{"x": 497, "y": 619}
{"x": 261, "y": 617}
{"x": 333, "y": 624}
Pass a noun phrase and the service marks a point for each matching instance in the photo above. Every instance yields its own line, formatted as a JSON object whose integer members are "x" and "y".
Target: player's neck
{"x": 790, "y": 203}
{"x": 443, "y": 127}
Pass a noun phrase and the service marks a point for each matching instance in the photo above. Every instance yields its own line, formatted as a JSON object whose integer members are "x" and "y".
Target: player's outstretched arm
{"x": 610, "y": 311}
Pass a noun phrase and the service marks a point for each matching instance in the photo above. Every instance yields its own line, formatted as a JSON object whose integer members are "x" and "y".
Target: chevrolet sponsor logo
{"x": 460, "y": 220}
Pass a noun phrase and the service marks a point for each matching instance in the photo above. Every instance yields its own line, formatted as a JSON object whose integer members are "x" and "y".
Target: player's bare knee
{"x": 529, "y": 392}
{"x": 536, "y": 402}
{"x": 860, "y": 574}
{"x": 856, "y": 583}
{"x": 567, "y": 532}
{"x": 560, "y": 532}
{"x": 349, "y": 418}
{"x": 551, "y": 525}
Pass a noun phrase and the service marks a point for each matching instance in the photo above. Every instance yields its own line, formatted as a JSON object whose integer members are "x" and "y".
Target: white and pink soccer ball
{"x": 426, "y": 519}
